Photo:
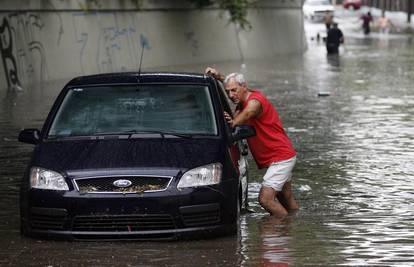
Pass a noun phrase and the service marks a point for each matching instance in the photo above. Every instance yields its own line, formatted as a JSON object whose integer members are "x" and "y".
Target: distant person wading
{"x": 366, "y": 22}
{"x": 271, "y": 147}
{"x": 334, "y": 39}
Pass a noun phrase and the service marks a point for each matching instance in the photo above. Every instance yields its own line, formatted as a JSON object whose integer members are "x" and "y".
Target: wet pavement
{"x": 353, "y": 179}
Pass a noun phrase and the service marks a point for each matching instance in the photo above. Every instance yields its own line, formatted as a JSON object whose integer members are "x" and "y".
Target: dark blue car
{"x": 135, "y": 156}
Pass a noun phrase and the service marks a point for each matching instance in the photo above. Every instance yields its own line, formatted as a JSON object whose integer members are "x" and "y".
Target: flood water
{"x": 354, "y": 177}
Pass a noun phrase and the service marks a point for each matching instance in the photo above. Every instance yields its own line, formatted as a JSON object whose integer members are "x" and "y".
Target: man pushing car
{"x": 271, "y": 147}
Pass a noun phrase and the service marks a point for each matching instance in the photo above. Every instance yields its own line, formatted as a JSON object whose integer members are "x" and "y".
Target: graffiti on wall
{"x": 115, "y": 44}
{"x": 9, "y": 61}
{"x": 22, "y": 49}
{"x": 193, "y": 41}
{"x": 105, "y": 42}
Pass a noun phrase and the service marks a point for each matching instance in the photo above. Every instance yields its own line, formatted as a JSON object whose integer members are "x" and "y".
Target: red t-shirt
{"x": 271, "y": 143}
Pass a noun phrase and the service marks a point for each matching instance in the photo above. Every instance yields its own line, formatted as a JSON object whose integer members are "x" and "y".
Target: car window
{"x": 185, "y": 109}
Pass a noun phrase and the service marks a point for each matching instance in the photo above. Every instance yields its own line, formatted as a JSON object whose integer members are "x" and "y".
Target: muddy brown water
{"x": 354, "y": 177}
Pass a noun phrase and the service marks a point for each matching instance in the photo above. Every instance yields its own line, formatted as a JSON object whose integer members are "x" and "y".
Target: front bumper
{"x": 196, "y": 212}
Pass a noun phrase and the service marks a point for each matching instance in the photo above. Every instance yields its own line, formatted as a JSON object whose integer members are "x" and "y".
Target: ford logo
{"x": 122, "y": 183}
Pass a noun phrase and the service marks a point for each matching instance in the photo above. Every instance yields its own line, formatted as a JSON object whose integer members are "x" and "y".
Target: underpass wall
{"x": 50, "y": 40}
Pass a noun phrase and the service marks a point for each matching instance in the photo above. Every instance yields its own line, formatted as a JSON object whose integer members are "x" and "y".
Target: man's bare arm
{"x": 252, "y": 110}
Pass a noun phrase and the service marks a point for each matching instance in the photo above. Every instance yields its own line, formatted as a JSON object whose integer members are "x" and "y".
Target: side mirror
{"x": 241, "y": 132}
{"x": 30, "y": 136}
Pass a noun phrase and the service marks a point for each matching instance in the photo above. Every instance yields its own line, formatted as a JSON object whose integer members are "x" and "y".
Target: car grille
{"x": 51, "y": 219}
{"x": 123, "y": 223}
{"x": 138, "y": 184}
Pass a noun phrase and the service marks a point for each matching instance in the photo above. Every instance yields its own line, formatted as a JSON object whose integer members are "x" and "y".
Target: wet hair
{"x": 238, "y": 77}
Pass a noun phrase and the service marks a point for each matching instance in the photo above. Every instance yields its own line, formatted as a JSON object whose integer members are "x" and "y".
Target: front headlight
{"x": 45, "y": 179}
{"x": 204, "y": 175}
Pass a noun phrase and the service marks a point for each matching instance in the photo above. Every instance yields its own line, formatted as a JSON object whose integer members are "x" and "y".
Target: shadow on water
{"x": 353, "y": 178}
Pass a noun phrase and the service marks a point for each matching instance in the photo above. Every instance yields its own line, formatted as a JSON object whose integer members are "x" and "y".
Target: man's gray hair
{"x": 238, "y": 77}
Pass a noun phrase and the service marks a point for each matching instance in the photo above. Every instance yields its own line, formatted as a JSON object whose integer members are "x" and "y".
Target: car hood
{"x": 175, "y": 153}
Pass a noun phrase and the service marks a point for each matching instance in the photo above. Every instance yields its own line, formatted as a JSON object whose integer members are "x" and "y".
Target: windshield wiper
{"x": 163, "y": 134}
{"x": 131, "y": 133}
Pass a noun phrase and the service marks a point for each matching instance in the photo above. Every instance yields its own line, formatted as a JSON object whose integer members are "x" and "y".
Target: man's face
{"x": 235, "y": 91}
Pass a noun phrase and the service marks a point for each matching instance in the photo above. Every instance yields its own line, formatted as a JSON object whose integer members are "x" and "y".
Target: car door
{"x": 238, "y": 150}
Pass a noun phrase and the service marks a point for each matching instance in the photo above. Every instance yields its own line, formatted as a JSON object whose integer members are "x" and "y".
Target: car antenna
{"x": 140, "y": 61}
{"x": 144, "y": 44}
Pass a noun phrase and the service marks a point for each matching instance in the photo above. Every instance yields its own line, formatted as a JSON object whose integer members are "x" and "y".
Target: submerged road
{"x": 354, "y": 177}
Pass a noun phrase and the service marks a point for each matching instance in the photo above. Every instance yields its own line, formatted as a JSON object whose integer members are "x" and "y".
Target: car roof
{"x": 135, "y": 77}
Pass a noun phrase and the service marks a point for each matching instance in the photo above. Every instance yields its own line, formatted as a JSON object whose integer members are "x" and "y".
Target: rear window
{"x": 181, "y": 109}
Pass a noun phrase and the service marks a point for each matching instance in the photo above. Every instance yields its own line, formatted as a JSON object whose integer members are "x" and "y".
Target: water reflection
{"x": 334, "y": 60}
{"x": 275, "y": 237}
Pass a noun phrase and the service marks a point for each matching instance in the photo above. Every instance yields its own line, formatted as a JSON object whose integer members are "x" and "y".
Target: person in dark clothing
{"x": 366, "y": 21}
{"x": 334, "y": 38}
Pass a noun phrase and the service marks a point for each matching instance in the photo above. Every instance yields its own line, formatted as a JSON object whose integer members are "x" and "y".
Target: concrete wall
{"x": 58, "y": 39}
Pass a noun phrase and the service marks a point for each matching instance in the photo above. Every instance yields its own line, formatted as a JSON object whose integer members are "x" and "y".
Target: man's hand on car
{"x": 213, "y": 72}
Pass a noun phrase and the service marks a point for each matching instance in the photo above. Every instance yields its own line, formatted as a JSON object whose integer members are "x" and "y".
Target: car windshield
{"x": 318, "y": 2}
{"x": 180, "y": 109}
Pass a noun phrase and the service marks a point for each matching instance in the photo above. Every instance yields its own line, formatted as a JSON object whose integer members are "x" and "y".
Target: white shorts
{"x": 279, "y": 173}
